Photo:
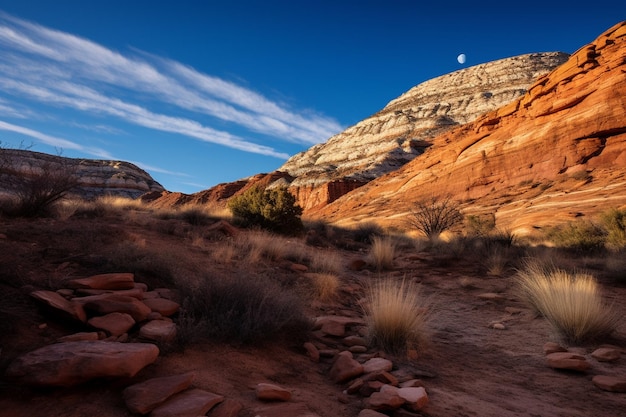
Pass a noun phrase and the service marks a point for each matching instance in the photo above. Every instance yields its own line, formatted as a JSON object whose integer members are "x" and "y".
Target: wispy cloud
{"x": 58, "y": 68}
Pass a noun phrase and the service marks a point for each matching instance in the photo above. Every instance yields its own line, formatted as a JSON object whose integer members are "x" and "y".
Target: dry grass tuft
{"x": 325, "y": 285}
{"x": 326, "y": 261}
{"x": 382, "y": 252}
{"x": 572, "y": 303}
{"x": 396, "y": 315}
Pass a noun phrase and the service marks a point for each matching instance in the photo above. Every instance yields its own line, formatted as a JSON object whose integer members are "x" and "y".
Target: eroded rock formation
{"x": 556, "y": 153}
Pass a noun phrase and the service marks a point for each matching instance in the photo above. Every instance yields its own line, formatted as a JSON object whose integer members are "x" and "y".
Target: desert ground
{"x": 467, "y": 366}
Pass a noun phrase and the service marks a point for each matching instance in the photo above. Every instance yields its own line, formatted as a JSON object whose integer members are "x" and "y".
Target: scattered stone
{"x": 386, "y": 378}
{"x": 355, "y": 386}
{"x": 371, "y": 413}
{"x": 163, "y": 306}
{"x": 158, "y": 330}
{"x": 115, "y": 281}
{"x": 191, "y": 403}
{"x": 498, "y": 326}
{"x": 567, "y": 360}
{"x": 61, "y": 305}
{"x": 345, "y": 368}
{"x": 606, "y": 354}
{"x": 79, "y": 337}
{"x": 115, "y": 324}
{"x": 148, "y": 295}
{"x": 271, "y": 392}
{"x": 312, "y": 351}
{"x": 298, "y": 267}
{"x": 143, "y": 397}
{"x": 377, "y": 365}
{"x": 552, "y": 347}
{"x": 283, "y": 410}
{"x": 513, "y": 310}
{"x": 354, "y": 341}
{"x": 415, "y": 397}
{"x": 134, "y": 292}
{"x": 113, "y": 303}
{"x": 387, "y": 400}
{"x": 71, "y": 363}
{"x": 227, "y": 408}
{"x": 610, "y": 383}
{"x": 412, "y": 383}
{"x": 370, "y": 387}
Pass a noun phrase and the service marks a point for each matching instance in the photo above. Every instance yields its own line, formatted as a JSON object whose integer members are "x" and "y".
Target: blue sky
{"x": 204, "y": 92}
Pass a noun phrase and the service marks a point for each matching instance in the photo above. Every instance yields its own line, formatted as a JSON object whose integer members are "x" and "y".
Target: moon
{"x": 461, "y": 59}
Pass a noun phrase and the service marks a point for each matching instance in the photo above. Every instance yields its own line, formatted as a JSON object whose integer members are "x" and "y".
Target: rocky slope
{"x": 395, "y": 135}
{"x": 95, "y": 177}
{"x": 556, "y": 153}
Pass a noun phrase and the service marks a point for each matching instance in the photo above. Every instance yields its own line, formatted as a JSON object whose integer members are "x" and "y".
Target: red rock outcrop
{"x": 556, "y": 153}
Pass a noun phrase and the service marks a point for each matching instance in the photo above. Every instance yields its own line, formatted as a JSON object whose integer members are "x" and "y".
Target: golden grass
{"x": 325, "y": 285}
{"x": 572, "y": 303}
{"x": 326, "y": 261}
{"x": 382, "y": 252}
{"x": 396, "y": 315}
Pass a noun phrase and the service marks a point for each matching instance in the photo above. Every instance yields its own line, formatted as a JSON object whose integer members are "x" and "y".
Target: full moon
{"x": 461, "y": 59}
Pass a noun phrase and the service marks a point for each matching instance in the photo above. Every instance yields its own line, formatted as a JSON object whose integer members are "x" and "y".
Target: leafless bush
{"x": 435, "y": 215}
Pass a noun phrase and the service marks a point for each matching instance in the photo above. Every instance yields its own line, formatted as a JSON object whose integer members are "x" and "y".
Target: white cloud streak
{"x": 54, "y": 67}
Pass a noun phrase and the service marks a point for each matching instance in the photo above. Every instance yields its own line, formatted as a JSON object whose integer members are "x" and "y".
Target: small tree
{"x": 435, "y": 215}
{"x": 273, "y": 209}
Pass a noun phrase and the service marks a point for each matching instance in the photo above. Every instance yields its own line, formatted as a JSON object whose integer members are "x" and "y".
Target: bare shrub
{"x": 396, "y": 316}
{"x": 382, "y": 252}
{"x": 241, "y": 308}
{"x": 572, "y": 303}
{"x": 435, "y": 215}
{"x": 35, "y": 187}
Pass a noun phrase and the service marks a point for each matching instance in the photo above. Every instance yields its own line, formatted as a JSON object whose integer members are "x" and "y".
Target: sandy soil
{"x": 468, "y": 367}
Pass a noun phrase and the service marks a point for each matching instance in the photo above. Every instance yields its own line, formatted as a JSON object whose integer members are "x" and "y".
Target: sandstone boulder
{"x": 113, "y": 303}
{"x": 377, "y": 365}
{"x": 115, "y": 324}
{"x": 158, "y": 330}
{"x": 606, "y": 354}
{"x": 162, "y": 305}
{"x": 610, "y": 383}
{"x": 345, "y": 368}
{"x": 72, "y": 363}
{"x": 115, "y": 281}
{"x": 568, "y": 361}
{"x": 271, "y": 392}
{"x": 60, "y": 304}
{"x": 143, "y": 397}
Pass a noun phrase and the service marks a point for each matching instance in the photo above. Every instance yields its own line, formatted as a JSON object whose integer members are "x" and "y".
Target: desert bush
{"x": 571, "y": 302}
{"x": 396, "y": 315}
{"x": 435, "y": 215}
{"x": 579, "y": 236}
{"x": 614, "y": 222}
{"x": 364, "y": 232}
{"x": 33, "y": 189}
{"x": 480, "y": 225}
{"x": 272, "y": 209}
{"x": 242, "y": 309}
{"x": 382, "y": 252}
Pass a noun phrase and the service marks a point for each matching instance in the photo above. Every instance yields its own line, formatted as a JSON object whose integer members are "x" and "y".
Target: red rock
{"x": 190, "y": 403}
{"x": 158, "y": 330}
{"x": 113, "y": 303}
{"x": 610, "y": 383}
{"x": 345, "y": 368}
{"x": 370, "y": 413}
{"x": 312, "y": 351}
{"x": 283, "y": 410}
{"x": 387, "y": 400}
{"x": 115, "y": 324}
{"x": 143, "y": 397}
{"x": 551, "y": 347}
{"x": 271, "y": 392}
{"x": 377, "y": 365}
{"x": 71, "y": 363}
{"x": 61, "y": 305}
{"x": 415, "y": 397}
{"x": 134, "y": 292}
{"x": 115, "y": 281}
{"x": 227, "y": 408}
{"x": 567, "y": 360}
{"x": 606, "y": 354}
{"x": 162, "y": 305}
{"x": 79, "y": 337}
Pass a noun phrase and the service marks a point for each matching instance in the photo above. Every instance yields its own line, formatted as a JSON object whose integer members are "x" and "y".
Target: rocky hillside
{"x": 556, "y": 153}
{"x": 95, "y": 177}
{"x": 395, "y": 135}
{"x": 406, "y": 126}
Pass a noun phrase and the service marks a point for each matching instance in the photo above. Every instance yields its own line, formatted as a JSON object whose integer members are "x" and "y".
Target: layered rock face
{"x": 556, "y": 153}
{"x": 406, "y": 126}
{"x": 95, "y": 177}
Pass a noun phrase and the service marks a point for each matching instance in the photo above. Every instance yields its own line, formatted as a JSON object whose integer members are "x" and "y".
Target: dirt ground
{"x": 468, "y": 367}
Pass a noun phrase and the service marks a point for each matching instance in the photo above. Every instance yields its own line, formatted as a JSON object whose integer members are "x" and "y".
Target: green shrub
{"x": 480, "y": 225}
{"x": 614, "y": 222}
{"x": 272, "y": 209}
{"x": 580, "y": 236}
{"x": 572, "y": 303}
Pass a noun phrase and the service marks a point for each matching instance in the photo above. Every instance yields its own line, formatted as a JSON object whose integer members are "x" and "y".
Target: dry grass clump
{"x": 572, "y": 303}
{"x": 272, "y": 246}
{"x": 396, "y": 315}
{"x": 325, "y": 285}
{"x": 382, "y": 252}
{"x": 326, "y": 261}
{"x": 240, "y": 308}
